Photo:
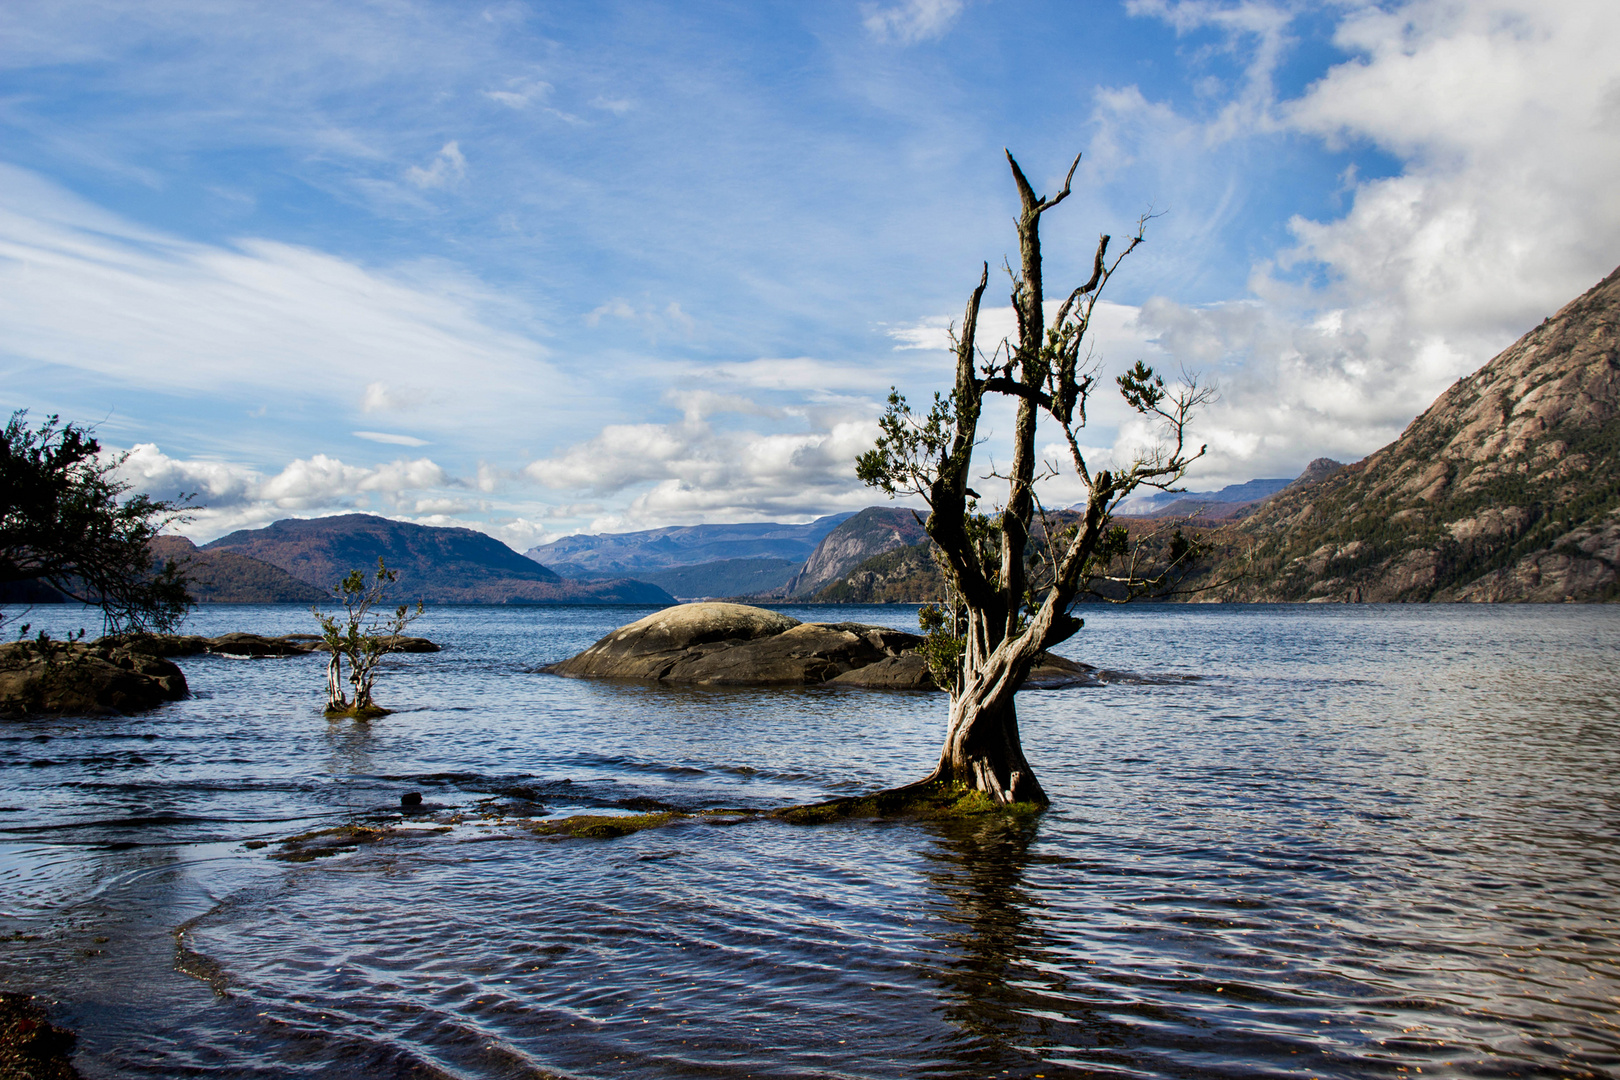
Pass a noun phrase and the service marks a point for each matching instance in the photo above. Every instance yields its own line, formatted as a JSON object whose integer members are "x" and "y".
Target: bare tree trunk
{"x": 982, "y": 750}
{"x": 336, "y": 701}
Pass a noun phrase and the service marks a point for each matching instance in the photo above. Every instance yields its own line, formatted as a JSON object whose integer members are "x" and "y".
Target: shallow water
{"x": 1363, "y": 841}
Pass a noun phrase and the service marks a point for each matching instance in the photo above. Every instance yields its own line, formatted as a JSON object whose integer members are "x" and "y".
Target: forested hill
{"x": 1507, "y": 488}
{"x": 229, "y": 577}
{"x": 439, "y": 565}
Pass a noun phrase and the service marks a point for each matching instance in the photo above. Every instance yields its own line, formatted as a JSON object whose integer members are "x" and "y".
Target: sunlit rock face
{"x": 1506, "y": 489}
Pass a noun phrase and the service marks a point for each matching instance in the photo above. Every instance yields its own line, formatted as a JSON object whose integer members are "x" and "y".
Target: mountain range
{"x": 438, "y": 565}
{"x": 1506, "y": 488}
{"x": 607, "y": 554}
{"x": 694, "y": 561}
{"x": 1223, "y": 503}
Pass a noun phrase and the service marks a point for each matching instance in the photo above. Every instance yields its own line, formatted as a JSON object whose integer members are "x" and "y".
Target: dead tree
{"x": 1009, "y": 601}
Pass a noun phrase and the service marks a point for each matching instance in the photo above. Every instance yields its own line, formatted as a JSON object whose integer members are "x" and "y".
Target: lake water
{"x": 1361, "y": 841}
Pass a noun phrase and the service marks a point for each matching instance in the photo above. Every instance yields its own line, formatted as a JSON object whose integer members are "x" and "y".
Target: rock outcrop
{"x": 716, "y": 644}
{"x": 735, "y": 645}
{"x": 58, "y": 677}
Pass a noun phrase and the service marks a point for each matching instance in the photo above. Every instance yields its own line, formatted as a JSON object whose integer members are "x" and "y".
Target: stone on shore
{"x": 57, "y": 678}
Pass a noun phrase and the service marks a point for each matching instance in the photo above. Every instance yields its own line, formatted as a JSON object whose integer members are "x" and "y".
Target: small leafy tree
{"x": 68, "y": 522}
{"x": 1013, "y": 574}
{"x": 362, "y": 637}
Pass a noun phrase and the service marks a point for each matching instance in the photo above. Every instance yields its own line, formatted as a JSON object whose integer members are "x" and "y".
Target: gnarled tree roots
{"x": 929, "y": 799}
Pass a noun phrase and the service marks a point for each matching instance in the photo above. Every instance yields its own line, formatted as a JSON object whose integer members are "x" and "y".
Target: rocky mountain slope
{"x": 636, "y": 553}
{"x": 439, "y": 565}
{"x": 1506, "y": 489}
{"x": 873, "y": 531}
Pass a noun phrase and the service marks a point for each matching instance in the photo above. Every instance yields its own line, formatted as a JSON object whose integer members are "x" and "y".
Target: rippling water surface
{"x": 1362, "y": 841}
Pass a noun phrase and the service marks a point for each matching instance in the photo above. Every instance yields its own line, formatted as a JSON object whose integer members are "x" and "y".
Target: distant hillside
{"x": 439, "y": 565}
{"x": 228, "y": 577}
{"x": 1507, "y": 488}
{"x": 906, "y": 575}
{"x": 1222, "y": 503}
{"x": 727, "y": 577}
{"x": 635, "y": 553}
{"x": 873, "y": 531}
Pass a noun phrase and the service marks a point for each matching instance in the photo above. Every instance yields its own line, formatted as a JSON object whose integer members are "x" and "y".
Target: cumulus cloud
{"x": 911, "y": 21}
{"x": 234, "y": 496}
{"x": 693, "y": 470}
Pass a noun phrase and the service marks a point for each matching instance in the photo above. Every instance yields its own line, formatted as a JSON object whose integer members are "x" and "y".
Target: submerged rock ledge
{"x": 128, "y": 673}
{"x": 718, "y": 644}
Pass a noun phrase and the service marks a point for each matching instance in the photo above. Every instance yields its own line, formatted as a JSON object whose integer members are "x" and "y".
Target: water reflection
{"x": 991, "y": 946}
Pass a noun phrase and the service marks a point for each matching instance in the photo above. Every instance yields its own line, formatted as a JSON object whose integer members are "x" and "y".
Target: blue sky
{"x": 547, "y": 268}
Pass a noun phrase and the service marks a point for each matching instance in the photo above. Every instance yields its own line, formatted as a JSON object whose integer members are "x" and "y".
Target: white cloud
{"x": 798, "y": 374}
{"x": 911, "y": 21}
{"x": 447, "y": 167}
{"x": 521, "y": 93}
{"x": 233, "y": 496}
{"x": 654, "y": 321}
{"x": 1505, "y": 117}
{"x": 387, "y": 437}
{"x": 698, "y": 472}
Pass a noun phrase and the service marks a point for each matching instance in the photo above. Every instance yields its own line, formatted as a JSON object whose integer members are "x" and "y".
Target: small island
{"x": 723, "y": 644}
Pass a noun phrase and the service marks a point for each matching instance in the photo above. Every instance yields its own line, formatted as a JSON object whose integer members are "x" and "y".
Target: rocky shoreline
{"x": 128, "y": 673}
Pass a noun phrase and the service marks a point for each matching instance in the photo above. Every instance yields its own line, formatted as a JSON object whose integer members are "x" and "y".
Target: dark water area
{"x": 1340, "y": 841}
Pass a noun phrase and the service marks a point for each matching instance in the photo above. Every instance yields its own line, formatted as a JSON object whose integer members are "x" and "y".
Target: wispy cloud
{"x": 81, "y": 289}
{"x": 911, "y": 21}
{"x": 386, "y": 437}
{"x": 447, "y": 167}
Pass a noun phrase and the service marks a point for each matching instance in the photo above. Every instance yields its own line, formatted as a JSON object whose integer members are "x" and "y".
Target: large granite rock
{"x": 736, "y": 645}
{"x": 54, "y": 678}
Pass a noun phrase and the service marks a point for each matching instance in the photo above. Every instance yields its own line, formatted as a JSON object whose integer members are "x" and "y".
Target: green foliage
{"x": 943, "y": 642}
{"x": 67, "y": 521}
{"x": 362, "y": 638}
{"x": 1141, "y": 388}
{"x": 908, "y": 447}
